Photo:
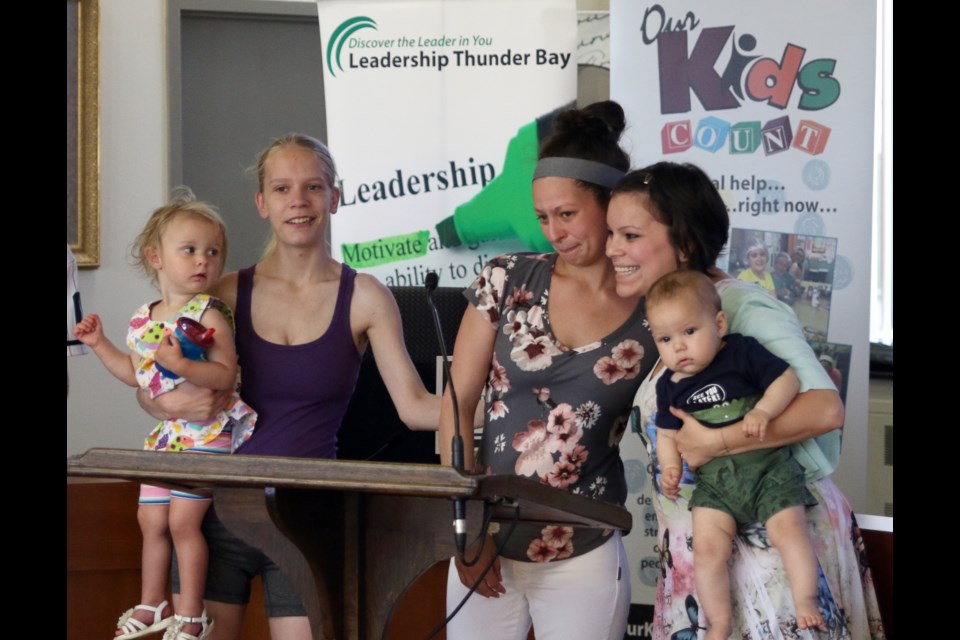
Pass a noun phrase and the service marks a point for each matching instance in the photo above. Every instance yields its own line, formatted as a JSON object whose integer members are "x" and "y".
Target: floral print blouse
{"x": 552, "y": 413}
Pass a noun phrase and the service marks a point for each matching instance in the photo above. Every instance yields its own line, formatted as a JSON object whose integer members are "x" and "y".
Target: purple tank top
{"x": 300, "y": 392}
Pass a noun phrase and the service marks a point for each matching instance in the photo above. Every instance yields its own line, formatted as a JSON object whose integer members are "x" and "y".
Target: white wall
{"x": 101, "y": 411}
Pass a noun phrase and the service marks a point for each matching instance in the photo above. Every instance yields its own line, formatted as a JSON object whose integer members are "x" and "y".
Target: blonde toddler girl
{"x": 182, "y": 248}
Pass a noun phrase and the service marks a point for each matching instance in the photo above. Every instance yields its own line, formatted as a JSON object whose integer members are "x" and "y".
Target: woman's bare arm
{"x": 472, "y": 354}
{"x": 187, "y": 402}
{"x": 376, "y": 310}
{"x": 811, "y": 414}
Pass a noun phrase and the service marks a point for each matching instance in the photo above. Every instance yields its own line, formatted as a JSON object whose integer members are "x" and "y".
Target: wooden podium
{"x": 351, "y": 536}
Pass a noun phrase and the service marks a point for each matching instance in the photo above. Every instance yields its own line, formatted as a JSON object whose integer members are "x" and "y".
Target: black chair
{"x": 371, "y": 428}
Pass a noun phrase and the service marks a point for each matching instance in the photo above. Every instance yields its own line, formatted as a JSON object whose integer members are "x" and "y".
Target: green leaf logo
{"x": 346, "y": 29}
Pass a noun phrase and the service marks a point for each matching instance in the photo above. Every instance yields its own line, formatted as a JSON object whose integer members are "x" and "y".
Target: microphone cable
{"x": 487, "y": 515}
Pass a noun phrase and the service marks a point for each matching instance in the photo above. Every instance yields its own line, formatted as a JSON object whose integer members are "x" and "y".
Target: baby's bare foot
{"x": 809, "y": 617}
{"x": 718, "y": 632}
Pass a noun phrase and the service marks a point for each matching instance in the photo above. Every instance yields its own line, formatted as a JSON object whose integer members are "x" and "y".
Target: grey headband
{"x": 586, "y": 170}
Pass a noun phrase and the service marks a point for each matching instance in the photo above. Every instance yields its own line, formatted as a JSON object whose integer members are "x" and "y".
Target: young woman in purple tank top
{"x": 300, "y": 314}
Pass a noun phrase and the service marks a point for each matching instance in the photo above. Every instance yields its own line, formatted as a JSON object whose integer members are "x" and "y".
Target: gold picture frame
{"x": 83, "y": 129}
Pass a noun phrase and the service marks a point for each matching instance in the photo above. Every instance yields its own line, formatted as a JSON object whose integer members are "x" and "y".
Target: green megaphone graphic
{"x": 504, "y": 208}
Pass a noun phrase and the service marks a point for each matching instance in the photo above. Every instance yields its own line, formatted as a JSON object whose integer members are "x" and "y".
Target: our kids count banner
{"x": 775, "y": 101}
{"x": 428, "y": 102}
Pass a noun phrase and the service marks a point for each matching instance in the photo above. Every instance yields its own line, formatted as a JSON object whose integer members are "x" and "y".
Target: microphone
{"x": 431, "y": 281}
{"x": 456, "y": 446}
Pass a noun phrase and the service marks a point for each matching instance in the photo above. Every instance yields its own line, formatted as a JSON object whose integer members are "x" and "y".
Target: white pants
{"x": 583, "y": 598}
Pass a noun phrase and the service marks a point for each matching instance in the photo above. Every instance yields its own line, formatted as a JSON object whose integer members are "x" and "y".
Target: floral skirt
{"x": 761, "y": 600}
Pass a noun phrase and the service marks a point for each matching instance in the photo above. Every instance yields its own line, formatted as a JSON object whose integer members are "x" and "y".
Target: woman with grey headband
{"x": 556, "y": 357}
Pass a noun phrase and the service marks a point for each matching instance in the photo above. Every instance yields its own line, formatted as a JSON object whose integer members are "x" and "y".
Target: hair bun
{"x": 611, "y": 114}
{"x": 592, "y": 133}
{"x": 601, "y": 119}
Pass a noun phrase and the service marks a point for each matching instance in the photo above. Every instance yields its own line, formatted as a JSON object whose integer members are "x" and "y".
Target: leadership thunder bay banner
{"x": 428, "y": 102}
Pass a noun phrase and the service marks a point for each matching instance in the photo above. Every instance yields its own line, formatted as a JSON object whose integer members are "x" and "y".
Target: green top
{"x": 754, "y": 312}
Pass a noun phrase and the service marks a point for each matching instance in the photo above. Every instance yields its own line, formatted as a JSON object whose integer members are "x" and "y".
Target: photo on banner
{"x": 435, "y": 111}
{"x": 796, "y": 269}
{"x": 835, "y": 359}
{"x": 776, "y": 104}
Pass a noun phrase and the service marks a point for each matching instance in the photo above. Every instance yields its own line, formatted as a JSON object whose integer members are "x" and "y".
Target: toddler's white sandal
{"x": 175, "y": 631}
{"x": 133, "y": 628}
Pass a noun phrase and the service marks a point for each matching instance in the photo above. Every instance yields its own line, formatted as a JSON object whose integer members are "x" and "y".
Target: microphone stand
{"x": 456, "y": 446}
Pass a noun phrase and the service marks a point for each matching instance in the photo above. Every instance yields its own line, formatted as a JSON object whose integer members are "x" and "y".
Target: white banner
{"x": 427, "y": 103}
{"x": 775, "y": 101}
